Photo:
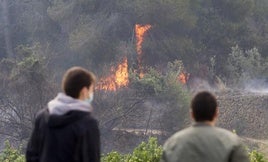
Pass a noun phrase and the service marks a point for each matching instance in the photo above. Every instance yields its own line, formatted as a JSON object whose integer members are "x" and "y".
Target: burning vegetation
{"x": 183, "y": 77}
{"x": 118, "y": 78}
{"x": 120, "y": 75}
{"x": 140, "y": 31}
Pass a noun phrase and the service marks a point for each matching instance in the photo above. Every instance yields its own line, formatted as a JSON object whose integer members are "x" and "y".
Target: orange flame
{"x": 117, "y": 80}
{"x": 121, "y": 74}
{"x": 140, "y": 30}
{"x": 183, "y": 77}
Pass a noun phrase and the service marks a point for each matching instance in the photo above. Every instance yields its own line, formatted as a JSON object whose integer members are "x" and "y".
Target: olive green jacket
{"x": 204, "y": 143}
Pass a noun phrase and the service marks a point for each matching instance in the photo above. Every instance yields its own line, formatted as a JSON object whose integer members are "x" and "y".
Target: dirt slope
{"x": 246, "y": 113}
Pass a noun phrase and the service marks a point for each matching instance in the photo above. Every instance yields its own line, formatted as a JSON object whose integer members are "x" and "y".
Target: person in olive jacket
{"x": 65, "y": 131}
{"x": 204, "y": 142}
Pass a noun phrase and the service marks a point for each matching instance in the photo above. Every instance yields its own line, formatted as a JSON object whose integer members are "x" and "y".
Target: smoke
{"x": 257, "y": 86}
{"x": 198, "y": 84}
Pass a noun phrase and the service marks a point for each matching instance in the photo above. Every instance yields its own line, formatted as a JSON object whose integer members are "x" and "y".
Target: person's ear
{"x": 216, "y": 113}
{"x": 83, "y": 93}
{"x": 191, "y": 114}
{"x": 91, "y": 88}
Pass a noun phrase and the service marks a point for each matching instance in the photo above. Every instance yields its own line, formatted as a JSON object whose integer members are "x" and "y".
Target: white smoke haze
{"x": 254, "y": 86}
{"x": 259, "y": 86}
{"x": 198, "y": 84}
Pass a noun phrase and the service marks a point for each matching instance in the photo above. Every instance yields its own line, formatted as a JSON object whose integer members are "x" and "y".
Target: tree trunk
{"x": 8, "y": 42}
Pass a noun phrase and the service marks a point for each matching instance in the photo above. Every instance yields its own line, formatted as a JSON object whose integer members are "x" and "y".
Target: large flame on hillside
{"x": 118, "y": 78}
{"x": 119, "y": 75}
{"x": 140, "y": 30}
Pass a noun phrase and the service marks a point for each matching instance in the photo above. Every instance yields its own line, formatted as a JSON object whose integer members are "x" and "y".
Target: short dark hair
{"x": 204, "y": 106}
{"x": 75, "y": 79}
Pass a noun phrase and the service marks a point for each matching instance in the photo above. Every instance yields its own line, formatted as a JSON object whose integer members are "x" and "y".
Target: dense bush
{"x": 164, "y": 85}
{"x": 167, "y": 89}
{"x": 256, "y": 156}
{"x": 150, "y": 152}
{"x": 145, "y": 152}
{"x": 152, "y": 83}
{"x": 10, "y": 154}
{"x": 243, "y": 65}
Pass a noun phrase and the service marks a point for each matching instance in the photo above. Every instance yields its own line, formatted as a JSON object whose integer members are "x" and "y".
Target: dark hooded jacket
{"x": 69, "y": 137}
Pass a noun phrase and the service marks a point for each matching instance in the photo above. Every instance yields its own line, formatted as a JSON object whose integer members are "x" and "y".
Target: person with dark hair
{"x": 65, "y": 131}
{"x": 204, "y": 142}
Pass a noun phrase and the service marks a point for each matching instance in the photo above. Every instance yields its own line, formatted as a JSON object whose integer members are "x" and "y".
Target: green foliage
{"x": 145, "y": 152}
{"x": 256, "y": 156}
{"x": 29, "y": 61}
{"x": 173, "y": 11}
{"x": 11, "y": 154}
{"x": 174, "y": 89}
{"x": 59, "y": 9}
{"x": 28, "y": 55}
{"x": 243, "y": 65}
{"x": 193, "y": 31}
{"x": 164, "y": 85}
{"x": 150, "y": 151}
{"x": 24, "y": 80}
{"x": 221, "y": 25}
{"x": 167, "y": 89}
{"x": 113, "y": 157}
{"x": 235, "y": 10}
{"x": 151, "y": 83}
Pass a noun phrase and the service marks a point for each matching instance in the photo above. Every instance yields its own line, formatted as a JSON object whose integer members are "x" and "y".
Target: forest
{"x": 149, "y": 56}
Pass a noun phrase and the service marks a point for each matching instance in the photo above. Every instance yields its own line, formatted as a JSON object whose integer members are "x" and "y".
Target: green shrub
{"x": 150, "y": 84}
{"x": 145, "y": 152}
{"x": 256, "y": 156}
{"x": 11, "y": 154}
{"x": 175, "y": 90}
{"x": 243, "y": 65}
{"x": 113, "y": 157}
{"x": 150, "y": 152}
{"x": 165, "y": 86}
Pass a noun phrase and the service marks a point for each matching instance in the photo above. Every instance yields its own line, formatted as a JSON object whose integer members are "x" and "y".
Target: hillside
{"x": 244, "y": 112}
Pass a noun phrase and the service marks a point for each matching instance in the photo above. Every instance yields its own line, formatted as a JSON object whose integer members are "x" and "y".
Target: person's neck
{"x": 210, "y": 123}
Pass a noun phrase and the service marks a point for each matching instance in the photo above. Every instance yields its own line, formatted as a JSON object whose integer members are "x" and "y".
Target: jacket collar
{"x": 62, "y": 104}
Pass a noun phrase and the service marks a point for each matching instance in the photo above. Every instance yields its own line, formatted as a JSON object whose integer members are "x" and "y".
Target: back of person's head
{"x": 75, "y": 79}
{"x": 204, "y": 106}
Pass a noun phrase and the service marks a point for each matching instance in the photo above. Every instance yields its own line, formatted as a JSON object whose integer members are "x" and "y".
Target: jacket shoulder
{"x": 86, "y": 119}
{"x": 89, "y": 119}
{"x": 228, "y": 135}
{"x": 41, "y": 114}
{"x": 178, "y": 136}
